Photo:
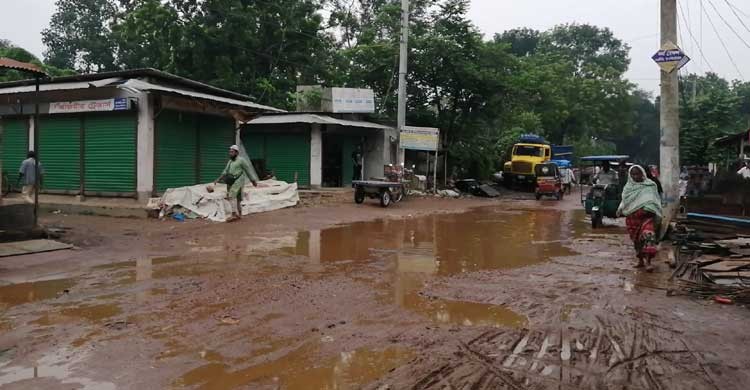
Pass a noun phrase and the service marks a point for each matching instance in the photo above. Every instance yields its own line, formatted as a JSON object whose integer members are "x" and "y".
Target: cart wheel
{"x": 359, "y": 195}
{"x": 385, "y": 198}
{"x": 538, "y": 196}
{"x": 399, "y": 196}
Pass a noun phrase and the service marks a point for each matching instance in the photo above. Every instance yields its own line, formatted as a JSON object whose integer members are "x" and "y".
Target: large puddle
{"x": 447, "y": 244}
{"x": 412, "y": 251}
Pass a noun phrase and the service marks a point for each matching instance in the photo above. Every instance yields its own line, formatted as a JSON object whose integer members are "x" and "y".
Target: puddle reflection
{"x": 298, "y": 370}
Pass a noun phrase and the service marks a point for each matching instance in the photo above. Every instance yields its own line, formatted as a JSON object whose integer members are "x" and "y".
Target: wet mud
{"x": 513, "y": 294}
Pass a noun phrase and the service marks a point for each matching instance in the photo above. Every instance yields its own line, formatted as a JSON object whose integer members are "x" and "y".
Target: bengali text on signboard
{"x": 420, "y": 138}
{"x": 118, "y": 104}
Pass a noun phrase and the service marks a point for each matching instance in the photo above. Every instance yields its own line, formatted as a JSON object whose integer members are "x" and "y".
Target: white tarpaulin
{"x": 269, "y": 195}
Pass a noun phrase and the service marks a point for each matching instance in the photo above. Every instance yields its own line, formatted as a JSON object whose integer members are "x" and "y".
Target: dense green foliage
{"x": 566, "y": 83}
{"x": 710, "y": 107}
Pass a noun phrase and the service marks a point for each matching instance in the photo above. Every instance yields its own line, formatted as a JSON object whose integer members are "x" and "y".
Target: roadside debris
{"x": 712, "y": 258}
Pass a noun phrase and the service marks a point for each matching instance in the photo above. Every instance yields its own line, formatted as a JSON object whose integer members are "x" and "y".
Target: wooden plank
{"x": 735, "y": 243}
{"x": 30, "y": 247}
{"x": 739, "y": 274}
{"x": 726, "y": 265}
{"x": 706, "y": 260}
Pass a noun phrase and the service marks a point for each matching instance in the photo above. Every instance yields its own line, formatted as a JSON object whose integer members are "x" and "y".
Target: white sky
{"x": 634, "y": 21}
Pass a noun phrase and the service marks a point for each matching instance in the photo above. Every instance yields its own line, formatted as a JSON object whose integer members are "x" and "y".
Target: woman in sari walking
{"x": 641, "y": 205}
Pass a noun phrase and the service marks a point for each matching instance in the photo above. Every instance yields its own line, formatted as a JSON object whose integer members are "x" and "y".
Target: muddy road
{"x": 429, "y": 294}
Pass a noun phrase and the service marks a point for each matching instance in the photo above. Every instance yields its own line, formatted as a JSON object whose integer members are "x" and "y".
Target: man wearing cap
{"x": 235, "y": 175}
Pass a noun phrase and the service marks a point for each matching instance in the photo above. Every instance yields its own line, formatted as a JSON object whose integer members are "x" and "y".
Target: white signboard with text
{"x": 420, "y": 138}
{"x": 352, "y": 100}
{"x": 118, "y": 104}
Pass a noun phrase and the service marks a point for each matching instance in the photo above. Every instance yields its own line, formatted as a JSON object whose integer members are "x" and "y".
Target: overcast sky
{"x": 634, "y": 21}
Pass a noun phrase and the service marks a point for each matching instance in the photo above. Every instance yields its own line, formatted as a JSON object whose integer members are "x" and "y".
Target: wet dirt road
{"x": 505, "y": 294}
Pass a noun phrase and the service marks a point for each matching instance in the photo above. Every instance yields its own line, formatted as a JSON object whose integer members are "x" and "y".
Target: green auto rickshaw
{"x": 605, "y": 193}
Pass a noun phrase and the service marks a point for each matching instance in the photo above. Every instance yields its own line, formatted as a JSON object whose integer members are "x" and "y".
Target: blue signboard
{"x": 670, "y": 58}
{"x": 121, "y": 104}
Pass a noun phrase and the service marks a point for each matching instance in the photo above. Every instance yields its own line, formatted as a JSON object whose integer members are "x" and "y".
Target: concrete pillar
{"x": 316, "y": 156}
{"x": 145, "y": 149}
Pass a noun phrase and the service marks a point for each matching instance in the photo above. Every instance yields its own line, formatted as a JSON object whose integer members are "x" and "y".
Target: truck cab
{"x": 525, "y": 156}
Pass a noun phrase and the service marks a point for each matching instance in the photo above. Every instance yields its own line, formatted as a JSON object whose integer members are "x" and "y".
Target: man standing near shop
{"x": 237, "y": 172}
{"x": 27, "y": 176}
{"x": 357, "y": 163}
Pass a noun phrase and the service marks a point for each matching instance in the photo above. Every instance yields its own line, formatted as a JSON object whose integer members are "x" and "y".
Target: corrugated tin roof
{"x": 61, "y": 86}
{"x": 132, "y": 74}
{"x": 10, "y": 63}
{"x": 313, "y": 118}
{"x": 141, "y": 85}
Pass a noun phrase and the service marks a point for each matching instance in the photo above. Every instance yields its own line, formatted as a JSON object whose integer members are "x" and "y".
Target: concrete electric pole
{"x": 669, "y": 120}
{"x": 402, "y": 70}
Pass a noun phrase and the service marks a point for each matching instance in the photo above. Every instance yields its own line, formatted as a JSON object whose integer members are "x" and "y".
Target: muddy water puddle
{"x": 22, "y": 293}
{"x": 411, "y": 252}
{"x": 298, "y": 370}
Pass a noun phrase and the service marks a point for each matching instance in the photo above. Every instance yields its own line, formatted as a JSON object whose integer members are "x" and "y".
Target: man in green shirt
{"x": 235, "y": 175}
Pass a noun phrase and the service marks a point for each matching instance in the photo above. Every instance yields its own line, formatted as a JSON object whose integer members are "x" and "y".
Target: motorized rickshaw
{"x": 602, "y": 200}
{"x": 548, "y": 181}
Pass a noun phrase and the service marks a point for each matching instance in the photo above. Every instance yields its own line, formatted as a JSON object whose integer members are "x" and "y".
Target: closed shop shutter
{"x": 287, "y": 154}
{"x": 14, "y": 144}
{"x": 255, "y": 145}
{"x": 215, "y": 136}
{"x": 176, "y": 150}
{"x": 110, "y": 154}
{"x": 60, "y": 153}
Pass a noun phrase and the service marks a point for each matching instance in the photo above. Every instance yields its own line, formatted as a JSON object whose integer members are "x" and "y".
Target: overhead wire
{"x": 734, "y": 11}
{"x": 700, "y": 47}
{"x": 738, "y": 9}
{"x": 711, "y": 3}
{"x": 726, "y": 49}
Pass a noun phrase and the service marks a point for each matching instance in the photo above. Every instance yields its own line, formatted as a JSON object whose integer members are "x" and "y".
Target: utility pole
{"x": 402, "y": 70}
{"x": 669, "y": 120}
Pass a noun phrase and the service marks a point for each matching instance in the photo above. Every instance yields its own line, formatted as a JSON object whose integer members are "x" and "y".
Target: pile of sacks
{"x": 199, "y": 202}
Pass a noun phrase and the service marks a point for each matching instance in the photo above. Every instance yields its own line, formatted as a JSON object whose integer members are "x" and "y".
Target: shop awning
{"x": 62, "y": 86}
{"x": 316, "y": 119}
{"x": 140, "y": 85}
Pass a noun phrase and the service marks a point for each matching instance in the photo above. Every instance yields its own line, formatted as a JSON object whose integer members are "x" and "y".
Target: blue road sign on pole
{"x": 670, "y": 58}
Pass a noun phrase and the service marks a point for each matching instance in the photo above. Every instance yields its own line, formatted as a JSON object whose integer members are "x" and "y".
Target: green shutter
{"x": 215, "y": 136}
{"x": 255, "y": 145}
{"x": 287, "y": 154}
{"x": 110, "y": 153}
{"x": 14, "y": 144}
{"x": 176, "y": 150}
{"x": 60, "y": 153}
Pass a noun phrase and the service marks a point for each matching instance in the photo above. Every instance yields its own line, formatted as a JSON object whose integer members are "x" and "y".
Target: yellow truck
{"x": 526, "y": 154}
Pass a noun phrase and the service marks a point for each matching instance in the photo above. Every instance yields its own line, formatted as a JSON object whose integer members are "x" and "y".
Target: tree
{"x": 147, "y": 34}
{"x": 79, "y": 35}
{"x": 523, "y": 41}
{"x": 643, "y": 142}
{"x": 715, "y": 111}
{"x": 9, "y": 50}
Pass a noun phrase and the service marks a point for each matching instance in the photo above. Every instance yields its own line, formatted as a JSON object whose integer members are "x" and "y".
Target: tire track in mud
{"x": 613, "y": 354}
